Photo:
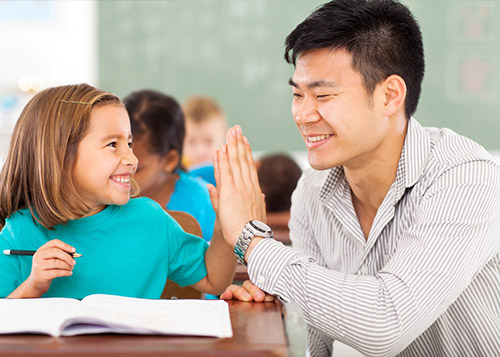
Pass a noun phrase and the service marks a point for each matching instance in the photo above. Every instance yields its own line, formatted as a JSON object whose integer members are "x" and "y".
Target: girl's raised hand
{"x": 52, "y": 260}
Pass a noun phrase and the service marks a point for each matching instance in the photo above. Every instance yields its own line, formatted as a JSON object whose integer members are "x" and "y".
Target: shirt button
{"x": 260, "y": 280}
{"x": 364, "y": 270}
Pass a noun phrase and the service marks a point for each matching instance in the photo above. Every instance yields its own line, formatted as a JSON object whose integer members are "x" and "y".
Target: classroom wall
{"x": 233, "y": 50}
{"x": 42, "y": 43}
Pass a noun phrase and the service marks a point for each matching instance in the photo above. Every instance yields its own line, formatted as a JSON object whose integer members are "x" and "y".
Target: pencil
{"x": 32, "y": 252}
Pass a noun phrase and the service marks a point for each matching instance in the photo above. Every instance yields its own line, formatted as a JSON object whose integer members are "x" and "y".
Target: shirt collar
{"x": 416, "y": 151}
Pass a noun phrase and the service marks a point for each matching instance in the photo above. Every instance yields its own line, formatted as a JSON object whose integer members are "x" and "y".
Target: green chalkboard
{"x": 233, "y": 51}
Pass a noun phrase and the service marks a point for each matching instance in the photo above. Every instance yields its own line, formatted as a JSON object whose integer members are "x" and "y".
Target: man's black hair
{"x": 382, "y": 37}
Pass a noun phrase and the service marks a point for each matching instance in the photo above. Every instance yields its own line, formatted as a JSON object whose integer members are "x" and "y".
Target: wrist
{"x": 251, "y": 246}
{"x": 251, "y": 230}
{"x": 26, "y": 290}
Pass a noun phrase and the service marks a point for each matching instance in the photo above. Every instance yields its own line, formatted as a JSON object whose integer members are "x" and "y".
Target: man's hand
{"x": 237, "y": 198}
{"x": 247, "y": 292}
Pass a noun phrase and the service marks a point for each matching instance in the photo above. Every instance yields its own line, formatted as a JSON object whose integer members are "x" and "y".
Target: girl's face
{"x": 105, "y": 162}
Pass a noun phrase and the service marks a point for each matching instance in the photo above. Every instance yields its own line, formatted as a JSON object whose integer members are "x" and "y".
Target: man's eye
{"x": 130, "y": 145}
{"x": 112, "y": 144}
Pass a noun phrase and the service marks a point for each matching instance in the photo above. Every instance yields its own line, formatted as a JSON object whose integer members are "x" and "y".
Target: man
{"x": 395, "y": 232}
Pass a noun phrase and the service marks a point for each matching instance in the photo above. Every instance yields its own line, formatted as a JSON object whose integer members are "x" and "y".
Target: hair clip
{"x": 74, "y": 102}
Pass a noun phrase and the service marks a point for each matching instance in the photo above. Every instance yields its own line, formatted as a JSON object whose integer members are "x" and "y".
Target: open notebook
{"x": 115, "y": 314}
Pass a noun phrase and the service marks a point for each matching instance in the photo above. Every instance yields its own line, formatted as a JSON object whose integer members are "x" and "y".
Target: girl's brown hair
{"x": 37, "y": 173}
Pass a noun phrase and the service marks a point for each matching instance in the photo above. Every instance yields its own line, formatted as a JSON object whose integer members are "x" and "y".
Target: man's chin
{"x": 320, "y": 160}
{"x": 319, "y": 165}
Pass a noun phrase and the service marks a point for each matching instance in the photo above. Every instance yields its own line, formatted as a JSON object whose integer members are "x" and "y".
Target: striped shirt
{"x": 426, "y": 281}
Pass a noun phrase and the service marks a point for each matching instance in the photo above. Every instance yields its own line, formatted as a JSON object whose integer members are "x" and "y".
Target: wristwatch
{"x": 252, "y": 228}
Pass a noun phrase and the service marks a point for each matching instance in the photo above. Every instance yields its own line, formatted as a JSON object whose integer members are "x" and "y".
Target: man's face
{"x": 341, "y": 124}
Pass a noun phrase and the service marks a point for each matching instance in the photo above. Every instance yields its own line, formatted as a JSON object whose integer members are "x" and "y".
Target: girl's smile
{"x": 121, "y": 179}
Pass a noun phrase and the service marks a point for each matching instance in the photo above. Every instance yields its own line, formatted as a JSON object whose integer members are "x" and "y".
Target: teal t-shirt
{"x": 127, "y": 250}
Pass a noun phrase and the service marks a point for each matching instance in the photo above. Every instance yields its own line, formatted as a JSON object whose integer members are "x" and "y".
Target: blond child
{"x": 205, "y": 132}
{"x": 66, "y": 184}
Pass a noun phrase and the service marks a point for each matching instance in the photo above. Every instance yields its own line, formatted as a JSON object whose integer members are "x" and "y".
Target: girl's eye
{"x": 112, "y": 144}
{"x": 130, "y": 145}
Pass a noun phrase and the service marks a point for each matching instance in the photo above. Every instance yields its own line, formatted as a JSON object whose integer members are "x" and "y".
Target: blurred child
{"x": 158, "y": 128}
{"x": 205, "y": 132}
{"x": 278, "y": 176}
{"x": 66, "y": 184}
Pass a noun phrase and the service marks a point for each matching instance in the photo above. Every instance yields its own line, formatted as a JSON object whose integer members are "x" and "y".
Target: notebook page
{"x": 148, "y": 316}
{"x": 43, "y": 315}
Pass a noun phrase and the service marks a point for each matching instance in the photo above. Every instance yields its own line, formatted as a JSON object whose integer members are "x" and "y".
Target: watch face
{"x": 261, "y": 226}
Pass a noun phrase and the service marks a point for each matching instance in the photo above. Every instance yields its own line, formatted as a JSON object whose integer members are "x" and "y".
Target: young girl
{"x": 158, "y": 128}
{"x": 66, "y": 187}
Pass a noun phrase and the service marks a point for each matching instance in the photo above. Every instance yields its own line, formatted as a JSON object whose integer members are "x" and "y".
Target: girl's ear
{"x": 171, "y": 159}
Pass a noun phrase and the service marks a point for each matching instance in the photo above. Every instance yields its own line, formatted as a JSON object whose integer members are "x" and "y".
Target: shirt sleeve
{"x": 301, "y": 235}
{"x": 186, "y": 255}
{"x": 453, "y": 237}
{"x": 320, "y": 344}
{"x": 10, "y": 267}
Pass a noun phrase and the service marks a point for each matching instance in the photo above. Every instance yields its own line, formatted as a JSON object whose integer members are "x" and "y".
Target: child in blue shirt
{"x": 158, "y": 127}
{"x": 66, "y": 184}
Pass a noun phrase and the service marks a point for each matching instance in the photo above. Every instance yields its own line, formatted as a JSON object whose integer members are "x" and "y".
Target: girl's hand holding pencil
{"x": 52, "y": 260}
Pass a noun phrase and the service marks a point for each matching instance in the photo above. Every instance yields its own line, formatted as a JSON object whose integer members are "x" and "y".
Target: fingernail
{"x": 73, "y": 249}
{"x": 223, "y": 148}
{"x": 73, "y": 262}
{"x": 233, "y": 132}
{"x": 245, "y": 140}
{"x": 246, "y": 295}
{"x": 259, "y": 294}
{"x": 238, "y": 129}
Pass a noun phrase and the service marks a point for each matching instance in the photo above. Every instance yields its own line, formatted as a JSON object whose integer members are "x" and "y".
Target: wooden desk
{"x": 258, "y": 330}
{"x": 241, "y": 274}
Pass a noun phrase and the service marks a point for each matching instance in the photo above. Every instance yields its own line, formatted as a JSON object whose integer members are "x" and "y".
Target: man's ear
{"x": 395, "y": 95}
{"x": 171, "y": 159}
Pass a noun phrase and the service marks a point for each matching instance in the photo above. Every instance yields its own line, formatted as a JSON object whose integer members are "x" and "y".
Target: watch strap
{"x": 249, "y": 231}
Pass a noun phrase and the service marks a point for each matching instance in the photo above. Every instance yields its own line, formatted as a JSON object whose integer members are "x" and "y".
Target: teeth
{"x": 317, "y": 138}
{"x": 122, "y": 179}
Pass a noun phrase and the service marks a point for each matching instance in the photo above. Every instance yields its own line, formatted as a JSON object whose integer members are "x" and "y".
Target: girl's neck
{"x": 95, "y": 211}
